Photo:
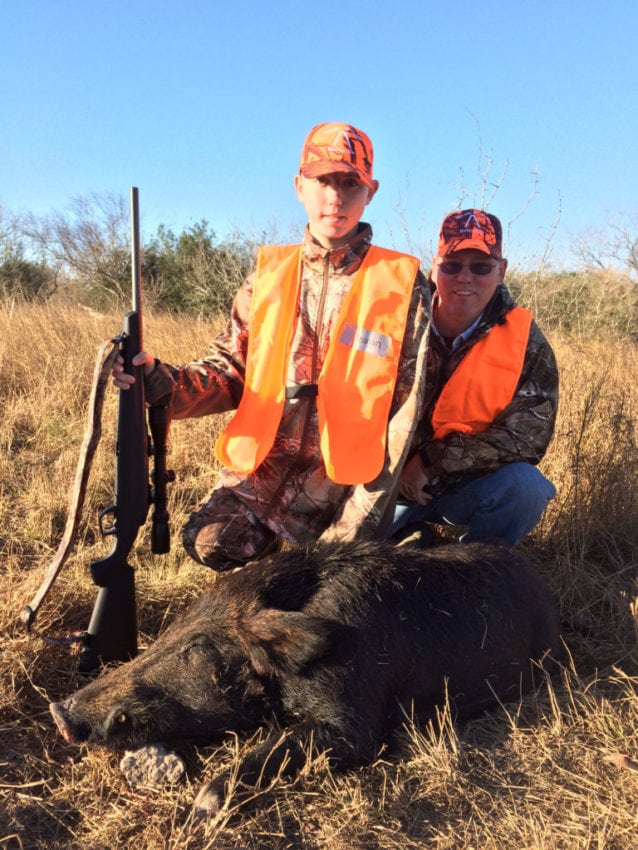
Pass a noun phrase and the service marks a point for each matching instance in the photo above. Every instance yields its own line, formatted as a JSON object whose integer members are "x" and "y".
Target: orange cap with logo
{"x": 337, "y": 147}
{"x": 471, "y": 229}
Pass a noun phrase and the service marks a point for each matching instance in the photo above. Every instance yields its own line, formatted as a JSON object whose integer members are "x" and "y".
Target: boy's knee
{"x": 204, "y": 548}
{"x": 223, "y": 539}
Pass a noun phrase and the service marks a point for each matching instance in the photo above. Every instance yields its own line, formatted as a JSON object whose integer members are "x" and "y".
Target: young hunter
{"x": 323, "y": 362}
{"x": 491, "y": 409}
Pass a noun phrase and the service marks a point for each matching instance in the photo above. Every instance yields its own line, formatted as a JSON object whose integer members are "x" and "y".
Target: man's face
{"x": 334, "y": 204}
{"x": 465, "y": 282}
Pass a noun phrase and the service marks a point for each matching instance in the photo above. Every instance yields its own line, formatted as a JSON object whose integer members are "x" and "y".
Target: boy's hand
{"x": 121, "y": 379}
{"x": 413, "y": 480}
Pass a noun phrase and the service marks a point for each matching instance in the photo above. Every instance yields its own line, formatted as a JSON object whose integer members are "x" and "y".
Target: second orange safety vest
{"x": 356, "y": 383}
{"x": 484, "y": 382}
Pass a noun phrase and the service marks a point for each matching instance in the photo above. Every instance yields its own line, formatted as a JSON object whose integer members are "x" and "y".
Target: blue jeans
{"x": 506, "y": 504}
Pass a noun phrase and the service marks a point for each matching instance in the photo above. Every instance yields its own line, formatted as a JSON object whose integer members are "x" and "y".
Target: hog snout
{"x": 72, "y": 732}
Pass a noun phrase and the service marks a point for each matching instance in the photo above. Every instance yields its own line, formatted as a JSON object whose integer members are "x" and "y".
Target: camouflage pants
{"x": 224, "y": 533}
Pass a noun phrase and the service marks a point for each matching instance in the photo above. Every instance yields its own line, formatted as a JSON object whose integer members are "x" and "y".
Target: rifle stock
{"x": 112, "y": 631}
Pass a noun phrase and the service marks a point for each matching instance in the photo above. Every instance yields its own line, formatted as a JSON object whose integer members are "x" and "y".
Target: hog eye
{"x": 118, "y": 719}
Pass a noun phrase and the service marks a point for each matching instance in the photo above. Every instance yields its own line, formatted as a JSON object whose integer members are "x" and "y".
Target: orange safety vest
{"x": 355, "y": 385}
{"x": 484, "y": 382}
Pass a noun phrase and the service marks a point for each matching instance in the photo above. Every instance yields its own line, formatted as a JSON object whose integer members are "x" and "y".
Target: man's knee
{"x": 529, "y": 484}
{"x": 510, "y": 503}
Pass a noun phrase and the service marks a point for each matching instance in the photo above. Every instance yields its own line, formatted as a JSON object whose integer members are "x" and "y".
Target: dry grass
{"x": 547, "y": 773}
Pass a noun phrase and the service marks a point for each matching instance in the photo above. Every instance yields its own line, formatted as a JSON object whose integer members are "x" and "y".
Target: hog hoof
{"x": 152, "y": 766}
{"x": 207, "y": 803}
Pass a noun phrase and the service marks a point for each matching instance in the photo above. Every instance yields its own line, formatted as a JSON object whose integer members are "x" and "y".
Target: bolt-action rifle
{"x": 112, "y": 630}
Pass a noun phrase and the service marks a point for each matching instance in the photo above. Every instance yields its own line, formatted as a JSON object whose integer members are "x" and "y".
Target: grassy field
{"x": 559, "y": 770}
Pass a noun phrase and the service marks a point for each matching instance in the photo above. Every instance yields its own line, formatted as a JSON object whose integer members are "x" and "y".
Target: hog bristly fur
{"x": 334, "y": 645}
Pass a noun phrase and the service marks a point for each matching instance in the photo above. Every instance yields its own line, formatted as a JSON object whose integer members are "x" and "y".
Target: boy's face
{"x": 334, "y": 204}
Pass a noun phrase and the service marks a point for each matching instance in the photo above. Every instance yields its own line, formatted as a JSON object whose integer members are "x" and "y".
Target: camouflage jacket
{"x": 290, "y": 492}
{"x": 522, "y": 432}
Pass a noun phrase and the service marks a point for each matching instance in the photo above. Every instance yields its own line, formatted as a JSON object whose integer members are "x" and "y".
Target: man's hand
{"x": 413, "y": 481}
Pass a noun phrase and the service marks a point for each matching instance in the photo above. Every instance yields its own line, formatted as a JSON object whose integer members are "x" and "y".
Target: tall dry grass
{"x": 555, "y": 771}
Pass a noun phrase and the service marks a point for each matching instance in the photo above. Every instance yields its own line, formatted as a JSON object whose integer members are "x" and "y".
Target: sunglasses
{"x": 478, "y": 267}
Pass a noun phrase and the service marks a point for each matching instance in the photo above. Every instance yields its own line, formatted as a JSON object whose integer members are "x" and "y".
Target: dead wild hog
{"x": 333, "y": 645}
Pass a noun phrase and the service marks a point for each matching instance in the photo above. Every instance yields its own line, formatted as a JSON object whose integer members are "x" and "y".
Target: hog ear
{"x": 284, "y": 641}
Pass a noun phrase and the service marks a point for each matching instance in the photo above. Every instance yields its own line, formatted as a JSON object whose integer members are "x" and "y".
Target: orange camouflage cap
{"x": 476, "y": 229}
{"x": 337, "y": 147}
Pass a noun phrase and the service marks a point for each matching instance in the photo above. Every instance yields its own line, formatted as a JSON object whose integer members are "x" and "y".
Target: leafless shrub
{"x": 90, "y": 243}
{"x": 612, "y": 246}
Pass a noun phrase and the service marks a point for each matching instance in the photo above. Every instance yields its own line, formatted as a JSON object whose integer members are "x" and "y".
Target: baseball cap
{"x": 471, "y": 229}
{"x": 337, "y": 147}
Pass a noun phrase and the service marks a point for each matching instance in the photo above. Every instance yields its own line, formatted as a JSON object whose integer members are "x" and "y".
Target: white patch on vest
{"x": 362, "y": 339}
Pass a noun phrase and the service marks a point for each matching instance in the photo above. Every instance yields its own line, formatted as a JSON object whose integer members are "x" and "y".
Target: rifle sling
{"x": 90, "y": 442}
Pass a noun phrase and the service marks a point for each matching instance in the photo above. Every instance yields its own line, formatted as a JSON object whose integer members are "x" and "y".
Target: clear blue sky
{"x": 205, "y": 105}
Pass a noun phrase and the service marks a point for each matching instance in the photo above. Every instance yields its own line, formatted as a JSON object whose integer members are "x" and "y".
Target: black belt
{"x": 302, "y": 391}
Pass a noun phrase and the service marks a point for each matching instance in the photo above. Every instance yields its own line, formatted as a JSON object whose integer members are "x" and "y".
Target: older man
{"x": 490, "y": 414}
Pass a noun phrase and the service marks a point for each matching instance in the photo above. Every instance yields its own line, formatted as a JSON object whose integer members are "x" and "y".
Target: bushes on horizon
{"x": 26, "y": 279}
{"x": 83, "y": 256}
{"x": 86, "y": 252}
{"x": 586, "y": 304}
{"x": 190, "y": 273}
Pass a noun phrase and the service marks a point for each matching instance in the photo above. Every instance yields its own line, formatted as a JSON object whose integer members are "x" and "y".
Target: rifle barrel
{"x": 136, "y": 255}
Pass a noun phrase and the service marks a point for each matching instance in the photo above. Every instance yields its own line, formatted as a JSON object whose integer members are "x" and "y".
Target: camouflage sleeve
{"x": 215, "y": 383}
{"x": 522, "y": 432}
{"x": 367, "y": 507}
